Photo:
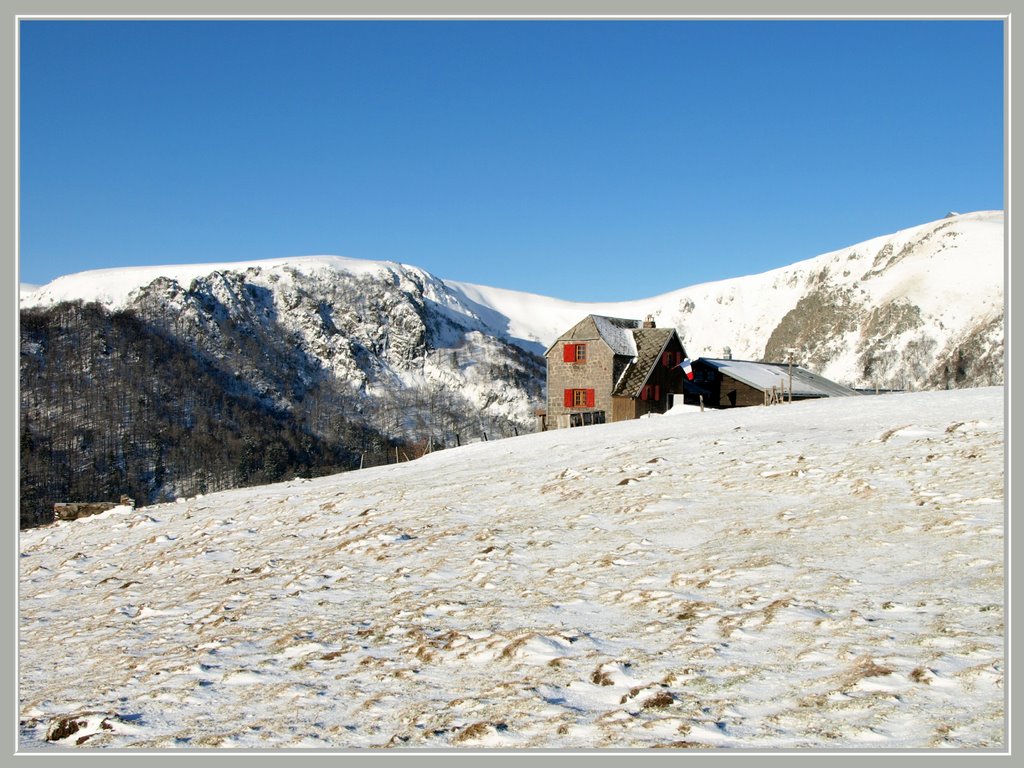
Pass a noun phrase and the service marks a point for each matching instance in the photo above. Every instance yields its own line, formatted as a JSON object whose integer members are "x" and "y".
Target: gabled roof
{"x": 764, "y": 376}
{"x": 616, "y": 332}
{"x": 650, "y": 343}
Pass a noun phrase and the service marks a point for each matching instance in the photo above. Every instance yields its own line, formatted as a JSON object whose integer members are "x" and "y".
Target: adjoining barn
{"x": 734, "y": 383}
{"x": 612, "y": 369}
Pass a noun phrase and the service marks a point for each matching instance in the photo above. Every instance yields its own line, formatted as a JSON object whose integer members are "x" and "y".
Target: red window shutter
{"x": 590, "y": 398}
{"x": 568, "y": 398}
{"x": 644, "y": 392}
{"x": 666, "y": 359}
{"x": 569, "y": 353}
{"x": 657, "y": 392}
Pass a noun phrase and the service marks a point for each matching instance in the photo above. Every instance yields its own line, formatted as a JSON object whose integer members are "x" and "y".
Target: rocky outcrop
{"x": 921, "y": 309}
{"x": 379, "y": 335}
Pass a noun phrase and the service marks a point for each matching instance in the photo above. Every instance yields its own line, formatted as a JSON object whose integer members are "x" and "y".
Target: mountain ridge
{"x": 832, "y": 311}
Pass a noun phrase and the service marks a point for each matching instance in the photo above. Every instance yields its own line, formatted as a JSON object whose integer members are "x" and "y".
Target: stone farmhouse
{"x": 612, "y": 369}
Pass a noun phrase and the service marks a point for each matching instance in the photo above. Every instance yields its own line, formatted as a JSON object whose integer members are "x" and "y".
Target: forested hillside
{"x": 111, "y": 406}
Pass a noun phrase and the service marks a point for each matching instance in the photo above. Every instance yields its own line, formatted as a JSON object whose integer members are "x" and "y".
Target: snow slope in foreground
{"x": 812, "y": 575}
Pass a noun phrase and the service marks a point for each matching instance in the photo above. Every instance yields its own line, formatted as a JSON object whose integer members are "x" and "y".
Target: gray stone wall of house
{"x": 596, "y": 373}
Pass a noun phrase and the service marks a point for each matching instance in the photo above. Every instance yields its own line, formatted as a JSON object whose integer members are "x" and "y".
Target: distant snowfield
{"x": 820, "y": 575}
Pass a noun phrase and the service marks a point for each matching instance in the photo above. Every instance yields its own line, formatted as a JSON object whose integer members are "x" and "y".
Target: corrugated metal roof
{"x": 829, "y": 387}
{"x": 764, "y": 376}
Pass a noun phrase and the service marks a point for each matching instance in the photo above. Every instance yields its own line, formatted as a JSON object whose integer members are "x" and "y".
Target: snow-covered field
{"x": 812, "y": 575}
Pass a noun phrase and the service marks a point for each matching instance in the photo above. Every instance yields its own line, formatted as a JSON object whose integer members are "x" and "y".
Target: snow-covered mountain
{"x": 172, "y": 381}
{"x": 922, "y": 308}
{"x": 375, "y": 330}
{"x": 818, "y": 575}
{"x": 314, "y": 364}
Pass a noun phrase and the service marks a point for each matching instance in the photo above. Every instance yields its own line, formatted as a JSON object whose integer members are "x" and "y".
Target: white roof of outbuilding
{"x": 764, "y": 376}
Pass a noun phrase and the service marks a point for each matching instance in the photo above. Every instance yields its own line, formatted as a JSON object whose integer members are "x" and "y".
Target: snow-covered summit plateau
{"x": 823, "y": 574}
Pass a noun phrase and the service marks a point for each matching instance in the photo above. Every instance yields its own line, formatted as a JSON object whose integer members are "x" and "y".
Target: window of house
{"x": 671, "y": 359}
{"x": 574, "y": 353}
{"x": 651, "y": 392}
{"x": 579, "y": 398}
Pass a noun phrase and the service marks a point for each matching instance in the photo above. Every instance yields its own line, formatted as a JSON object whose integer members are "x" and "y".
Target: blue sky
{"x": 589, "y": 160}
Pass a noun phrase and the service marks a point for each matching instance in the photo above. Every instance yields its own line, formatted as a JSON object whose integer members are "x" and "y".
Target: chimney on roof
{"x": 727, "y": 353}
{"x": 649, "y": 321}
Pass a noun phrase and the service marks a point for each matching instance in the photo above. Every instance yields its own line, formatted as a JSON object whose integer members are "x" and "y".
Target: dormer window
{"x": 574, "y": 353}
